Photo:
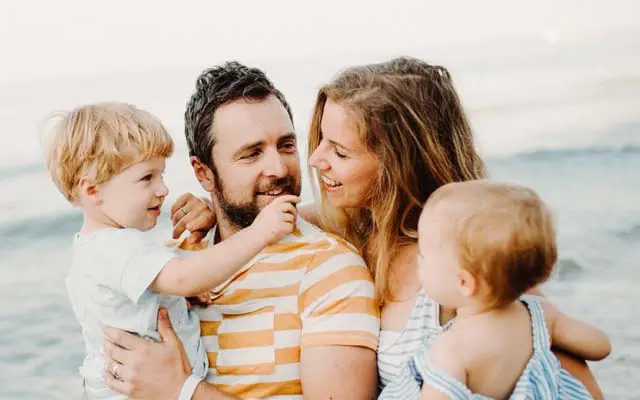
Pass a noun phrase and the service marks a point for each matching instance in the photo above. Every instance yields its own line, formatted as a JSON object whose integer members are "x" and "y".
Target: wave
{"x": 548, "y": 153}
{"x": 631, "y": 234}
{"x": 568, "y": 268}
{"x": 15, "y": 171}
{"x": 25, "y": 232}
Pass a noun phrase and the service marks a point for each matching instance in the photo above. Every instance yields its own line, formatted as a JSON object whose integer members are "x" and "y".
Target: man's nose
{"x": 275, "y": 166}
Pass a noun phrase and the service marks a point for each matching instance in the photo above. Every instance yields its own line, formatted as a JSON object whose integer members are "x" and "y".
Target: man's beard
{"x": 242, "y": 214}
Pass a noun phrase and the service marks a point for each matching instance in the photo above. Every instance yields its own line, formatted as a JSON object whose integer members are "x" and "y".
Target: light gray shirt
{"x": 108, "y": 284}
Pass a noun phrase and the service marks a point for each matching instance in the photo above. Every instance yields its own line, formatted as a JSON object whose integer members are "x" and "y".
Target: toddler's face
{"x": 133, "y": 198}
{"x": 438, "y": 268}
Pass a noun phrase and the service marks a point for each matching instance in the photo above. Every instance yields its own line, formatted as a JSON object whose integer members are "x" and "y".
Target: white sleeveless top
{"x": 395, "y": 348}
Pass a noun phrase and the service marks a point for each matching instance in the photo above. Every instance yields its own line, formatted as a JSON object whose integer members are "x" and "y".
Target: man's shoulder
{"x": 332, "y": 258}
{"x": 315, "y": 235}
{"x": 311, "y": 240}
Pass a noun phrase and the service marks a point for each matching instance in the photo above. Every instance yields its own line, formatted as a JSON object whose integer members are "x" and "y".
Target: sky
{"x": 49, "y": 39}
{"x": 56, "y": 55}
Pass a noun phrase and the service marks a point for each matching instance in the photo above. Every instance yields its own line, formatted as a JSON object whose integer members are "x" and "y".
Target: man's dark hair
{"x": 215, "y": 87}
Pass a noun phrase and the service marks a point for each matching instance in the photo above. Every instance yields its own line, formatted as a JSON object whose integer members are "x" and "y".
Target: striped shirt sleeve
{"x": 337, "y": 301}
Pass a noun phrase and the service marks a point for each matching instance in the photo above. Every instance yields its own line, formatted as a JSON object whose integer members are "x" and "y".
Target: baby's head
{"x": 485, "y": 242}
{"x": 109, "y": 157}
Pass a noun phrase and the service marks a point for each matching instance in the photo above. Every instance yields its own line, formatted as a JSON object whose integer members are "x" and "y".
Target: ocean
{"x": 562, "y": 117}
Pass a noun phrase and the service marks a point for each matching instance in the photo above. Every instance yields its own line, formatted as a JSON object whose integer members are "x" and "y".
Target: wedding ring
{"x": 184, "y": 210}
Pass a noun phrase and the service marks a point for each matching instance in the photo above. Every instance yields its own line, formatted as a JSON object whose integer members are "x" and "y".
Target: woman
{"x": 383, "y": 138}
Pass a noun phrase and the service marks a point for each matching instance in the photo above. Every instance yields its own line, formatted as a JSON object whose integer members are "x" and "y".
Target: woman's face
{"x": 346, "y": 167}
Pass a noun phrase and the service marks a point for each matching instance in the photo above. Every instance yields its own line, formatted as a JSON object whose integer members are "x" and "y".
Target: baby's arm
{"x": 443, "y": 355}
{"x": 574, "y": 336}
{"x": 208, "y": 268}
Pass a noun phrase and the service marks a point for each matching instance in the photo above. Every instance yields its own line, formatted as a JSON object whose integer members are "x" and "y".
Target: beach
{"x": 562, "y": 119}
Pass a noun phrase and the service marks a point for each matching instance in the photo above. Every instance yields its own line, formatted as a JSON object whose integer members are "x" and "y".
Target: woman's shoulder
{"x": 404, "y": 280}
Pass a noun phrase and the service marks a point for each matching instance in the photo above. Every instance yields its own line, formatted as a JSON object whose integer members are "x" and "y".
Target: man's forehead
{"x": 241, "y": 122}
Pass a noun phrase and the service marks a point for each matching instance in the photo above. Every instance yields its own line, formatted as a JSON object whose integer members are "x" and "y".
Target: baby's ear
{"x": 467, "y": 283}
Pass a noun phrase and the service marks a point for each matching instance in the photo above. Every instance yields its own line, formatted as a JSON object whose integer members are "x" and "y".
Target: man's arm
{"x": 338, "y": 372}
{"x": 151, "y": 370}
{"x": 340, "y": 327}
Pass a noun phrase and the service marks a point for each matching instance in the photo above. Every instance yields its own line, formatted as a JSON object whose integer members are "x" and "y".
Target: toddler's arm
{"x": 208, "y": 268}
{"x": 574, "y": 336}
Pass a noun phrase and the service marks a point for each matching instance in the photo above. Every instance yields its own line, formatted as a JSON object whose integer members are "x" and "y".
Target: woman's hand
{"x": 144, "y": 369}
{"x": 192, "y": 214}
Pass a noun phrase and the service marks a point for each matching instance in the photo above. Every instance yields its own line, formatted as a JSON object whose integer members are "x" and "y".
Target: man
{"x": 300, "y": 319}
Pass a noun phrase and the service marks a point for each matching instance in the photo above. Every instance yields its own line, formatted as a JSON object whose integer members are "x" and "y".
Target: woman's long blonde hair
{"x": 409, "y": 115}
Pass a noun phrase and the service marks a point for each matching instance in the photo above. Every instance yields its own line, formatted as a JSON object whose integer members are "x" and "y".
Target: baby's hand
{"x": 277, "y": 219}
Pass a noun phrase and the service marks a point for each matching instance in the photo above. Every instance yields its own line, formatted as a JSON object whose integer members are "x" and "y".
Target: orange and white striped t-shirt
{"x": 310, "y": 289}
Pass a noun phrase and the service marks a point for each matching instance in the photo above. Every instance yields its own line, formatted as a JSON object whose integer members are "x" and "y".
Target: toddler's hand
{"x": 277, "y": 219}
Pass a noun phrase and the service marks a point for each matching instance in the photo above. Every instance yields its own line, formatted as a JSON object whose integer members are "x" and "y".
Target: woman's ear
{"x": 204, "y": 174}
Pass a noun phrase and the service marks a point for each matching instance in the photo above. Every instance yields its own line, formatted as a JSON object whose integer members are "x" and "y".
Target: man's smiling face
{"x": 255, "y": 157}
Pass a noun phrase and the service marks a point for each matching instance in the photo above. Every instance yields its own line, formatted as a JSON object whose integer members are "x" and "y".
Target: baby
{"x": 108, "y": 160}
{"x": 481, "y": 247}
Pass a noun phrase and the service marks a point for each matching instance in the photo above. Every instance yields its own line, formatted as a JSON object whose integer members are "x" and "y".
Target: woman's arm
{"x": 580, "y": 370}
{"x": 150, "y": 370}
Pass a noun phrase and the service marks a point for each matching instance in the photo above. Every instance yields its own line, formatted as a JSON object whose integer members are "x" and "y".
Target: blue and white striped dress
{"x": 396, "y": 348}
{"x": 542, "y": 378}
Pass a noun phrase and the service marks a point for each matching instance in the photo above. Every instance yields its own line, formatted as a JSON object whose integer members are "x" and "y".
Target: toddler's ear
{"x": 89, "y": 190}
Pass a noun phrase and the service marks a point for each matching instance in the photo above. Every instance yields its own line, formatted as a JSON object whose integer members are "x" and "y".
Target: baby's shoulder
{"x": 448, "y": 353}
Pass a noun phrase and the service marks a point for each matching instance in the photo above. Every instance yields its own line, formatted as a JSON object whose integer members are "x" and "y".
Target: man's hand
{"x": 146, "y": 369}
{"x": 192, "y": 214}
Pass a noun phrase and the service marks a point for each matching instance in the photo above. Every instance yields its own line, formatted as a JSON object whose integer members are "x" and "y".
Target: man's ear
{"x": 90, "y": 190}
{"x": 203, "y": 174}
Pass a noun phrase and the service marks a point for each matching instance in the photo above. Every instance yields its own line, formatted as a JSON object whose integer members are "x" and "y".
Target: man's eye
{"x": 289, "y": 146}
{"x": 251, "y": 155}
{"x": 147, "y": 177}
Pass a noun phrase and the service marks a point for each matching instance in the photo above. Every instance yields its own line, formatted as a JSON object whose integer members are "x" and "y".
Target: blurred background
{"x": 552, "y": 90}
